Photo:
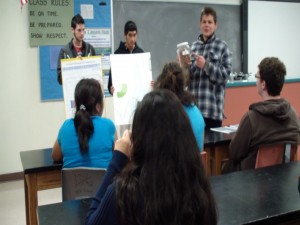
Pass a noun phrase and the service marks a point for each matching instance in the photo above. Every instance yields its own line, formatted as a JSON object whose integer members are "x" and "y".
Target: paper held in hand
{"x": 226, "y": 129}
{"x": 132, "y": 75}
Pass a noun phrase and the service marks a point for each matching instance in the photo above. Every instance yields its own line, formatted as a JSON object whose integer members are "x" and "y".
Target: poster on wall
{"x": 49, "y": 22}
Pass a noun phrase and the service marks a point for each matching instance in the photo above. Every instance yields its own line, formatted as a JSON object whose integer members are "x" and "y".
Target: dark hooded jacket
{"x": 68, "y": 51}
{"x": 266, "y": 122}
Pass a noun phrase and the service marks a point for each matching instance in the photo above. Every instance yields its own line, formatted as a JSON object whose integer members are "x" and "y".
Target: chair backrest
{"x": 81, "y": 182}
{"x": 274, "y": 154}
{"x": 204, "y": 160}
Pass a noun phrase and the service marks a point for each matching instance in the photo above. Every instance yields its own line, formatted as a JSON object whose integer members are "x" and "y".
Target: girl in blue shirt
{"x": 173, "y": 78}
{"x": 87, "y": 140}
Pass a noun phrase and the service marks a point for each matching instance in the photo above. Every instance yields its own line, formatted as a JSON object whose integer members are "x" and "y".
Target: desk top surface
{"x": 68, "y": 212}
{"x": 248, "y": 197}
{"x": 254, "y": 196}
{"x": 38, "y": 161}
{"x": 215, "y": 138}
{"x": 41, "y": 160}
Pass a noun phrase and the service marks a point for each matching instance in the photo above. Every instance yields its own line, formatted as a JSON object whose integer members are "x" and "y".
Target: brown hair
{"x": 209, "y": 11}
{"x": 272, "y": 71}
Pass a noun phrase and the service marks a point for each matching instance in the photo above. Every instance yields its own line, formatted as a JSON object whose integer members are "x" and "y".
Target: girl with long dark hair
{"x": 156, "y": 175}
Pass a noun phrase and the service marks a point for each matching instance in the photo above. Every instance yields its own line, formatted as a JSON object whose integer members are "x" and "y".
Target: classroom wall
{"x": 264, "y": 36}
{"x": 26, "y": 122}
{"x": 238, "y": 99}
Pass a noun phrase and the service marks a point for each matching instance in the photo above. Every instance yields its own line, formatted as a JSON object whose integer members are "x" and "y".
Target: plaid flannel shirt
{"x": 207, "y": 85}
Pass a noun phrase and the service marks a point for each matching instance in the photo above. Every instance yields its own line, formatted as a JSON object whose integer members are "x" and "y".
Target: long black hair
{"x": 88, "y": 94}
{"x": 165, "y": 181}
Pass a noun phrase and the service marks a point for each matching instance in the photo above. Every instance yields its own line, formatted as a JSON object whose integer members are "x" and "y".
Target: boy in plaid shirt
{"x": 209, "y": 70}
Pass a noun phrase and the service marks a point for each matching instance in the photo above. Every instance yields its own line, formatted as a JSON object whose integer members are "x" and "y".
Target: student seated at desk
{"x": 156, "y": 175}
{"x": 270, "y": 121}
{"x": 88, "y": 139}
{"x": 172, "y": 78}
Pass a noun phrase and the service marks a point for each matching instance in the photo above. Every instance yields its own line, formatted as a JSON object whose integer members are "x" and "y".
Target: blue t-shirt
{"x": 100, "y": 149}
{"x": 197, "y": 123}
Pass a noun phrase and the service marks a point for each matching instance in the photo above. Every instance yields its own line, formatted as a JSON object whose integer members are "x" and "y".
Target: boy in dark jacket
{"x": 270, "y": 121}
{"x": 127, "y": 47}
{"x": 76, "y": 47}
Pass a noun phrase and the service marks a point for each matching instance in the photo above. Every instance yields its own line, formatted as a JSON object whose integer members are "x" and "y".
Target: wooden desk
{"x": 216, "y": 145}
{"x": 264, "y": 196}
{"x": 40, "y": 173}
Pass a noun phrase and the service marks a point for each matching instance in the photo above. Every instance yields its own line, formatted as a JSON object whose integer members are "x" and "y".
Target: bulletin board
{"x": 51, "y": 90}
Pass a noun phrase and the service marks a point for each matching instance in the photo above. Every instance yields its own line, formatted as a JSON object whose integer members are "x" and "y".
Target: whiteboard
{"x": 273, "y": 30}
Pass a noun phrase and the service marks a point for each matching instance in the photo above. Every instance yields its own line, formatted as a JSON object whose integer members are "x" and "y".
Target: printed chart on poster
{"x": 73, "y": 70}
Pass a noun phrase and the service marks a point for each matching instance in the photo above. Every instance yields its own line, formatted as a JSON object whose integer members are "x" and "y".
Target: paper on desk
{"x": 226, "y": 129}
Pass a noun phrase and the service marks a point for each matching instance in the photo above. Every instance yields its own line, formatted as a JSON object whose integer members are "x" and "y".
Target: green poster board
{"x": 49, "y": 22}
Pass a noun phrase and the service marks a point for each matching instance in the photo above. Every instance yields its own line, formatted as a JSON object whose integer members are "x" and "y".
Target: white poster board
{"x": 75, "y": 69}
{"x": 131, "y": 76}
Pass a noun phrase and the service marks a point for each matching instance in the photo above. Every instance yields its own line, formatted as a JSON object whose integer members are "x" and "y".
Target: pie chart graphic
{"x": 123, "y": 91}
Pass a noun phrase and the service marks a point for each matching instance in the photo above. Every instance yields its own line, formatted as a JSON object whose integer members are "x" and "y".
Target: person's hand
{"x": 123, "y": 144}
{"x": 79, "y": 55}
{"x": 186, "y": 61}
{"x": 152, "y": 84}
{"x": 177, "y": 59}
{"x": 200, "y": 61}
{"x": 112, "y": 90}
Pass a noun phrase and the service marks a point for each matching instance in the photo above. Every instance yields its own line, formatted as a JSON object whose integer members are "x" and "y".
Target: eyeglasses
{"x": 257, "y": 76}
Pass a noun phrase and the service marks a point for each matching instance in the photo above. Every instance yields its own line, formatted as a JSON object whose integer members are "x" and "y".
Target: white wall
{"x": 26, "y": 122}
{"x": 273, "y": 30}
